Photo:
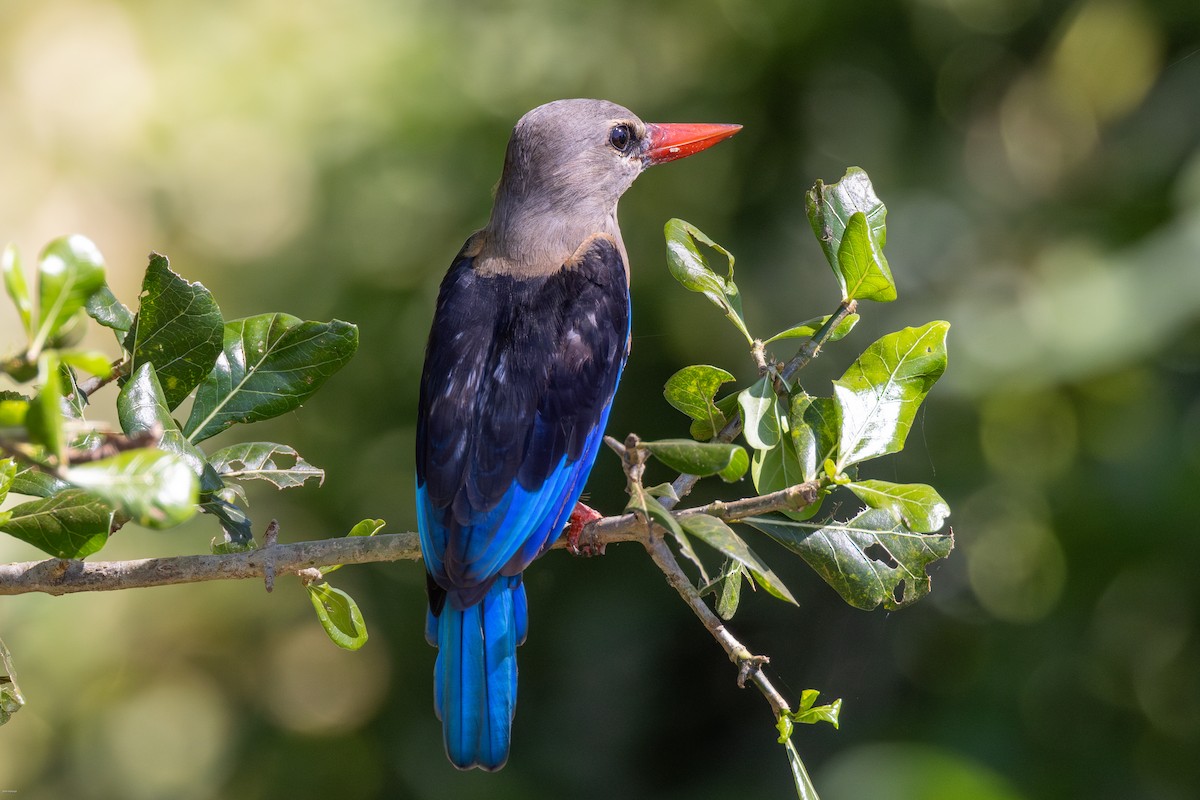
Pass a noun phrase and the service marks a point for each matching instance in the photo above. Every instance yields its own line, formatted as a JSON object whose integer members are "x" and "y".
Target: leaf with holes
{"x": 71, "y": 524}
{"x": 177, "y": 328}
{"x": 716, "y": 534}
{"x": 270, "y": 365}
{"x": 278, "y": 464}
{"x": 918, "y": 504}
{"x": 871, "y": 560}
{"x": 878, "y": 396}
{"x": 339, "y": 616}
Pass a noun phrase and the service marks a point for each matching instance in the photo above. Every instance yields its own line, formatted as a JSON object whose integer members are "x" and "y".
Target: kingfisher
{"x": 529, "y": 338}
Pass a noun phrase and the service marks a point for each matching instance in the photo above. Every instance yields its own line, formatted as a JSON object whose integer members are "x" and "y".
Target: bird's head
{"x": 579, "y": 156}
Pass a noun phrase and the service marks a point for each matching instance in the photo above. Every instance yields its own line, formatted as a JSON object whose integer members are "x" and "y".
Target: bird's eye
{"x": 621, "y": 138}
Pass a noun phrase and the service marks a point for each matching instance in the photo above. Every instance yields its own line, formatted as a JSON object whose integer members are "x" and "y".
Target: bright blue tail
{"x": 475, "y": 677}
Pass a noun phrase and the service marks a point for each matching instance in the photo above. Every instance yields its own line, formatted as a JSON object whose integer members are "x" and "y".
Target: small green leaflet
{"x": 688, "y": 266}
{"x": 339, "y": 616}
{"x": 11, "y": 700}
{"x": 809, "y": 328}
{"x": 700, "y": 458}
{"x": 70, "y": 271}
{"x": 14, "y": 284}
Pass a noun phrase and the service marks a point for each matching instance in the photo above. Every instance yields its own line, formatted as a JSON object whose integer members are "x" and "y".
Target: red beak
{"x": 669, "y": 141}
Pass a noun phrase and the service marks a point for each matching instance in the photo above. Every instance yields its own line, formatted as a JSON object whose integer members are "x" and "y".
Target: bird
{"x": 529, "y": 337}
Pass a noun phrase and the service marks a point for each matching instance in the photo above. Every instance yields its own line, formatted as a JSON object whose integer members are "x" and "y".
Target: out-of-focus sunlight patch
{"x": 80, "y": 73}
{"x": 26, "y": 749}
{"x": 1015, "y": 564}
{"x": 313, "y": 687}
{"x": 1122, "y": 414}
{"x": 853, "y": 116}
{"x": 1029, "y": 437}
{"x": 1143, "y": 633}
{"x": 172, "y": 738}
{"x": 910, "y": 772}
{"x": 243, "y": 191}
{"x": 1109, "y": 56}
{"x": 1045, "y": 132}
{"x": 988, "y": 16}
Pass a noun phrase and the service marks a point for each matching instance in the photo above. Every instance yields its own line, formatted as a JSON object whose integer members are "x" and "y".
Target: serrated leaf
{"x": 339, "y": 616}
{"x": 809, "y": 328}
{"x": 830, "y": 208}
{"x": 141, "y": 407}
{"x": 693, "y": 458}
{"x": 178, "y": 328}
{"x": 71, "y": 524}
{"x": 270, "y": 365}
{"x": 918, "y": 504}
{"x": 760, "y": 418}
{"x": 11, "y": 700}
{"x": 70, "y": 271}
{"x": 871, "y": 560}
{"x": 863, "y": 267}
{"x": 14, "y": 284}
{"x": 720, "y": 536}
{"x": 278, "y": 464}
{"x": 692, "y": 389}
{"x": 154, "y": 488}
{"x": 878, "y": 396}
{"x": 104, "y": 307}
{"x": 650, "y": 509}
{"x": 689, "y": 266}
{"x": 44, "y": 421}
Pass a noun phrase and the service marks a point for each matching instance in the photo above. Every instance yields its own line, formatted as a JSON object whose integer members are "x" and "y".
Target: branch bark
{"x": 58, "y": 576}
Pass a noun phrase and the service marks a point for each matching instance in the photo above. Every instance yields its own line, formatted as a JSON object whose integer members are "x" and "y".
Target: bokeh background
{"x": 1041, "y": 165}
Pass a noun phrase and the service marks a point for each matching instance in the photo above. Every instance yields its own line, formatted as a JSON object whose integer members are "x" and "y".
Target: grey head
{"x": 567, "y": 165}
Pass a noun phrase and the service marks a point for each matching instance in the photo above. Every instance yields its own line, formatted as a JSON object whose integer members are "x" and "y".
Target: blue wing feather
{"x": 518, "y": 383}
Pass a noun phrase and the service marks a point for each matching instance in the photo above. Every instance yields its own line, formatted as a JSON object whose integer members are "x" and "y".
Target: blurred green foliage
{"x": 1042, "y": 168}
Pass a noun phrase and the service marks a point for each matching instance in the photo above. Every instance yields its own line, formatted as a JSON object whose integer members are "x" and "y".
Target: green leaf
{"x": 720, "y": 536}
{"x": 862, "y": 265}
{"x": 731, "y": 589}
{"x": 663, "y": 490}
{"x": 830, "y": 208}
{"x": 142, "y": 407}
{"x": 704, "y": 430}
{"x": 808, "y": 328}
{"x": 11, "y": 700}
{"x": 776, "y": 468}
{"x": 694, "y": 458}
{"x": 104, "y": 307}
{"x": 177, "y": 328}
{"x": 154, "y": 488}
{"x": 45, "y": 419}
{"x": 641, "y": 502}
{"x": 760, "y": 418}
{"x": 804, "y": 786}
{"x": 737, "y": 467}
{"x": 813, "y": 424}
{"x": 691, "y": 390}
{"x": 71, "y": 524}
{"x": 8, "y": 473}
{"x": 873, "y": 559}
{"x": 918, "y": 504}
{"x": 689, "y": 266}
{"x": 89, "y": 361}
{"x": 878, "y": 396}
{"x": 35, "y": 483}
{"x": 14, "y": 283}
{"x": 339, "y": 616}
{"x": 271, "y": 364}
{"x": 810, "y": 714}
{"x": 239, "y": 535}
{"x": 70, "y": 271}
{"x": 278, "y": 464}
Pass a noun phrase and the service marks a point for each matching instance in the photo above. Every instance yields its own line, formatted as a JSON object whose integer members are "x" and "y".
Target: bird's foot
{"x": 580, "y": 517}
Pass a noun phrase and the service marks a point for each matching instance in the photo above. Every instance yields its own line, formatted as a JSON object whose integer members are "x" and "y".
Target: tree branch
{"x": 58, "y": 576}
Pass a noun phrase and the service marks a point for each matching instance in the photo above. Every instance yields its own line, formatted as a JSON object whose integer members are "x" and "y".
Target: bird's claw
{"x": 580, "y": 517}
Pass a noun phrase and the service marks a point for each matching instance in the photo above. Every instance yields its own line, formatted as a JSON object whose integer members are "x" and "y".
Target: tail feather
{"x": 475, "y": 678}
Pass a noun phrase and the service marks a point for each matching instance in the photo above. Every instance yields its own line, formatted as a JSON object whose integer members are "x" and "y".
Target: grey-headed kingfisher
{"x": 529, "y": 338}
